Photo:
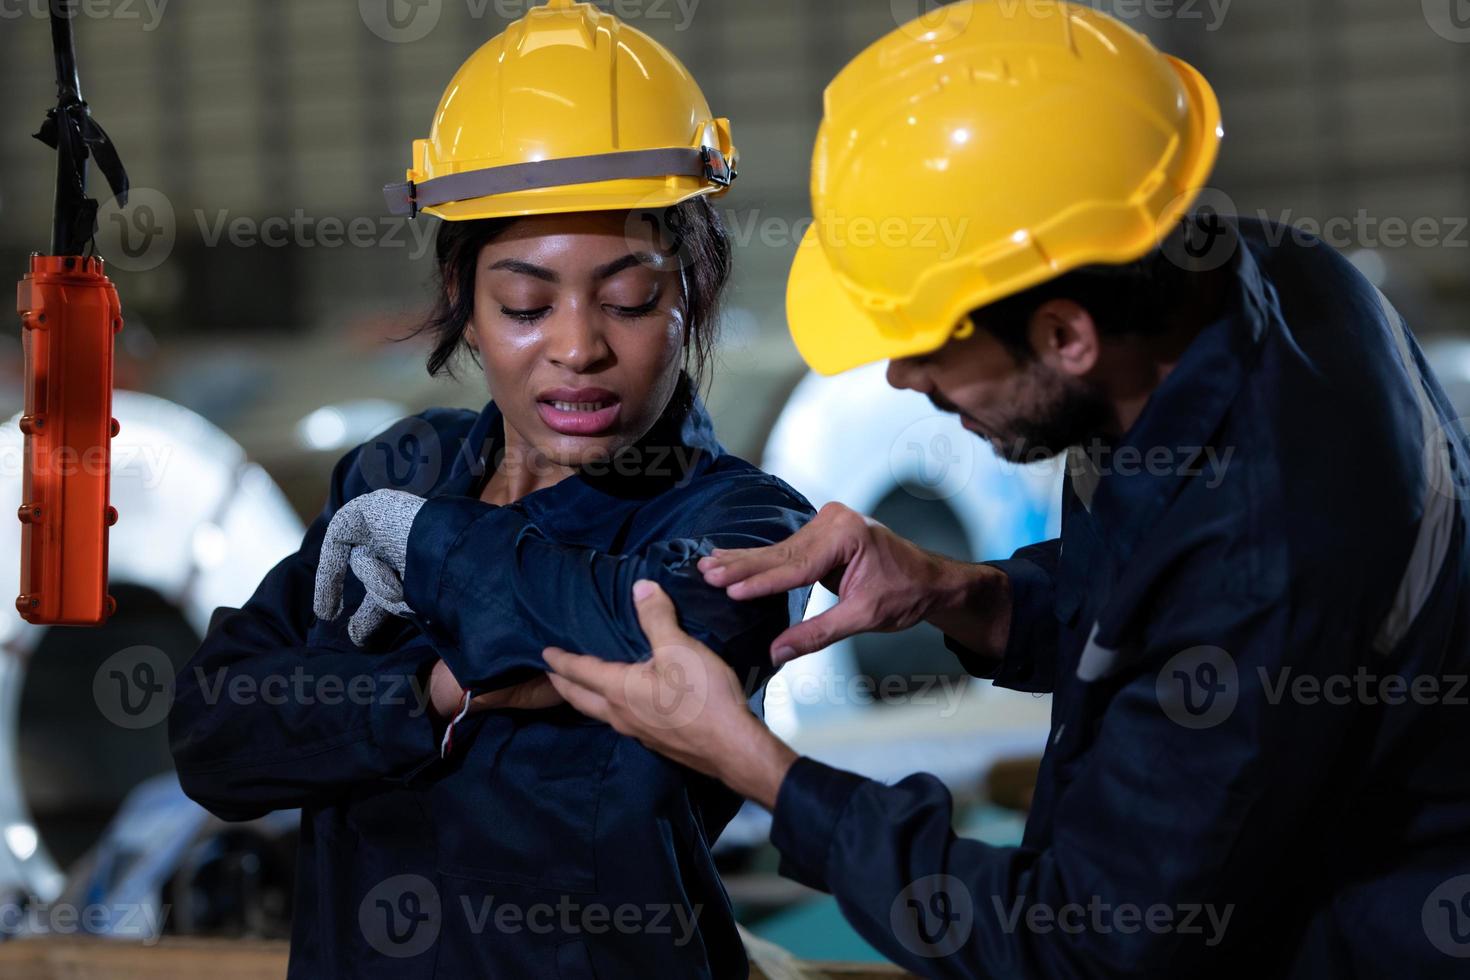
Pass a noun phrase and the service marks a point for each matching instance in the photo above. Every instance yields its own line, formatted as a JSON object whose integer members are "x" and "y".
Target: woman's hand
{"x": 884, "y": 583}
{"x": 684, "y": 702}
{"x": 369, "y": 534}
{"x": 446, "y": 696}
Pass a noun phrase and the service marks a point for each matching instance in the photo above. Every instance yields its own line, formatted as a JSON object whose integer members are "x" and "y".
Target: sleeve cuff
{"x": 804, "y": 823}
{"x": 401, "y": 723}
{"x": 436, "y": 529}
{"x": 1033, "y": 627}
{"x": 975, "y": 665}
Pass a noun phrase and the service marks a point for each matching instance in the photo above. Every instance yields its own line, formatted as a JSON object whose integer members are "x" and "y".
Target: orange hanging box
{"x": 69, "y": 314}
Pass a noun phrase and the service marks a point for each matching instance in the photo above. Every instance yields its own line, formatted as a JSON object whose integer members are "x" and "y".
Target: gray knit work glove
{"x": 370, "y": 536}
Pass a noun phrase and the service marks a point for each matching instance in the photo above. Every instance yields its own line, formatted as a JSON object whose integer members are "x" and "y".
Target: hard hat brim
{"x": 816, "y": 299}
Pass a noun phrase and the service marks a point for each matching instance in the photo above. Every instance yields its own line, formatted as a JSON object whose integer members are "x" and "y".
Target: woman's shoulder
{"x": 725, "y": 495}
{"x": 415, "y": 454}
{"x": 731, "y": 480}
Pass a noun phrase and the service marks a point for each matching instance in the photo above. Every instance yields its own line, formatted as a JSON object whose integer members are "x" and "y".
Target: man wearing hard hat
{"x": 1256, "y": 764}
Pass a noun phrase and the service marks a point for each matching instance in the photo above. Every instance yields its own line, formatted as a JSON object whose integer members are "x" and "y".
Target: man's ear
{"x": 1065, "y": 337}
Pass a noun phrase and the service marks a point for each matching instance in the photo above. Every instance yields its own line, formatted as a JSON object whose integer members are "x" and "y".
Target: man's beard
{"x": 1050, "y": 412}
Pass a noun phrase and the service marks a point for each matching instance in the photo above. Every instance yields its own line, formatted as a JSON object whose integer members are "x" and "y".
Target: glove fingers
{"x": 376, "y": 576}
{"x": 347, "y": 528}
{"x": 369, "y": 617}
{"x": 369, "y": 535}
{"x": 393, "y": 516}
{"x": 380, "y": 581}
{"x": 330, "y": 568}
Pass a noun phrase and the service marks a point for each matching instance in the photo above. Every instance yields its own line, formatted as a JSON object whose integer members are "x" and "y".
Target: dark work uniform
{"x": 541, "y": 844}
{"x": 1257, "y": 640}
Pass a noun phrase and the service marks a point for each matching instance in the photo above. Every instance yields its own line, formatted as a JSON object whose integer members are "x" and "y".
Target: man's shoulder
{"x": 1336, "y": 404}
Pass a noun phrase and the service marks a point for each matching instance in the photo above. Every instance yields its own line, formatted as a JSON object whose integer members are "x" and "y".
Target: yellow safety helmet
{"x": 978, "y": 151}
{"x": 569, "y": 109}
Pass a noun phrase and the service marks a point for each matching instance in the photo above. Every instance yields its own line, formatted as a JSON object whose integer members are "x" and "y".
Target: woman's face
{"x": 580, "y": 326}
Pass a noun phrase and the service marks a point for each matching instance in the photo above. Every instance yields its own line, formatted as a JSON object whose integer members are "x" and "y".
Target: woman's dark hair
{"x": 1139, "y": 298}
{"x": 692, "y": 234}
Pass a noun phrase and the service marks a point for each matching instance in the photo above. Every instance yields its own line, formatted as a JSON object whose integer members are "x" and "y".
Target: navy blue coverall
{"x": 541, "y": 844}
{"x": 1257, "y": 640}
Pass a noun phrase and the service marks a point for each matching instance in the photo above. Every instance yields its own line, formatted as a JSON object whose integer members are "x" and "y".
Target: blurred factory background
{"x": 263, "y": 284}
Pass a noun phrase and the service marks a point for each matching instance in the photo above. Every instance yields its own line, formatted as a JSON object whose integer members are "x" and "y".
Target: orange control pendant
{"x": 69, "y": 314}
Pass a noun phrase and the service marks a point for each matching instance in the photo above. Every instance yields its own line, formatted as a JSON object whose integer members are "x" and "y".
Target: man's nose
{"x": 907, "y": 372}
{"x": 578, "y": 342}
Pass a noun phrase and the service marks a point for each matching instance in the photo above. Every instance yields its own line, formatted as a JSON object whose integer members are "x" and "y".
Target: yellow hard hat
{"x": 569, "y": 109}
{"x": 983, "y": 149}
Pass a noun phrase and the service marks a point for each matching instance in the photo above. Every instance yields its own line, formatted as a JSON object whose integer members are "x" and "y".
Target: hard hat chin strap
{"x": 705, "y": 162}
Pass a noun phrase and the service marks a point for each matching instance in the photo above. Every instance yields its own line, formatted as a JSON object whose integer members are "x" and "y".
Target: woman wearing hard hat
{"x": 1257, "y": 656}
{"x": 457, "y": 819}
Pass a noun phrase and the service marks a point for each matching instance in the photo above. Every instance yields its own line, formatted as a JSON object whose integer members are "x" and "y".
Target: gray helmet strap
{"x": 704, "y": 162}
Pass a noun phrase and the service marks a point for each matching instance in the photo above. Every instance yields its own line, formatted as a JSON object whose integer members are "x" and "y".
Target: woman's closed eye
{"x": 525, "y": 316}
{"x": 628, "y": 301}
{"x": 626, "y": 312}
{"x": 632, "y": 312}
{"x": 618, "y": 301}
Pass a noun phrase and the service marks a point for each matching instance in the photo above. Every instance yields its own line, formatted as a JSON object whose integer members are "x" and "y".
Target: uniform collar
{"x": 680, "y": 445}
{"x": 470, "y": 456}
{"x": 1184, "y": 413}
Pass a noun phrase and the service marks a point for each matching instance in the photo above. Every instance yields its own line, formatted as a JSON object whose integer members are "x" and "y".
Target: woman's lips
{"x": 579, "y": 412}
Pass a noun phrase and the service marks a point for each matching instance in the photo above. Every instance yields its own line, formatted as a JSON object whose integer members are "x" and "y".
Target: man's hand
{"x": 883, "y": 582}
{"x": 684, "y": 702}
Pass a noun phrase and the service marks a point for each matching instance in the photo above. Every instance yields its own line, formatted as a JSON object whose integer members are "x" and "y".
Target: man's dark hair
{"x": 1140, "y": 298}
